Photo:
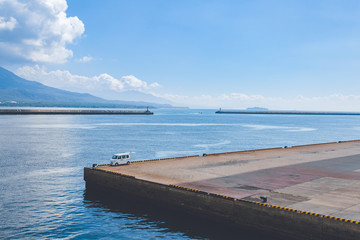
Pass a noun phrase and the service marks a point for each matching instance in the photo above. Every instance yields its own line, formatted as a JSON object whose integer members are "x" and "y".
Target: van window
{"x": 114, "y": 157}
{"x": 127, "y": 156}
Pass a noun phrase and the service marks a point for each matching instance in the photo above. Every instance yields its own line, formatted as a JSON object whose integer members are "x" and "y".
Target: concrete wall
{"x": 72, "y": 111}
{"x": 260, "y": 216}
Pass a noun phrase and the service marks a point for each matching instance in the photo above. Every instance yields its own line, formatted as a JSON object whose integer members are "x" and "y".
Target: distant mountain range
{"x": 16, "y": 91}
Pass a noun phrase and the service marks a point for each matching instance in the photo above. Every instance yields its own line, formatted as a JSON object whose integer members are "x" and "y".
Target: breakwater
{"x": 72, "y": 111}
{"x": 303, "y": 192}
{"x": 285, "y": 112}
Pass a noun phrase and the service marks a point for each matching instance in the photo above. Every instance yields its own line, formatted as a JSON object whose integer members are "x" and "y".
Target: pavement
{"x": 319, "y": 178}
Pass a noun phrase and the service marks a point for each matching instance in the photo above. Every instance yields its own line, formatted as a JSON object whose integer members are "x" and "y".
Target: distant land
{"x": 257, "y": 109}
{"x": 18, "y": 92}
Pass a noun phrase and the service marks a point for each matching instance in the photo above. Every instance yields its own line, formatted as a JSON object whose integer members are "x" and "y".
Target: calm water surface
{"x": 42, "y": 192}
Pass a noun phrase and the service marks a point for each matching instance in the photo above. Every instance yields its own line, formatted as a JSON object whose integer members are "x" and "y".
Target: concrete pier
{"x": 72, "y": 111}
{"x": 303, "y": 192}
{"x": 285, "y": 112}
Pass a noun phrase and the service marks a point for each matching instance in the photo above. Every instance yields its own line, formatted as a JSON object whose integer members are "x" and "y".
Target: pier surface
{"x": 318, "y": 183}
{"x": 72, "y": 111}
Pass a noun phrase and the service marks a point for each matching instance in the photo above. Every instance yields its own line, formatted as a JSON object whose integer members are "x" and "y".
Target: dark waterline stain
{"x": 169, "y": 219}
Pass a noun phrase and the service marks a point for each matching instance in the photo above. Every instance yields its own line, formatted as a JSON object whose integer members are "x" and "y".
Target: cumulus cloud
{"x": 241, "y": 96}
{"x": 103, "y": 85}
{"x": 37, "y": 30}
{"x": 7, "y": 24}
{"x": 85, "y": 59}
{"x": 135, "y": 83}
{"x": 232, "y": 100}
{"x": 332, "y": 97}
{"x": 332, "y": 102}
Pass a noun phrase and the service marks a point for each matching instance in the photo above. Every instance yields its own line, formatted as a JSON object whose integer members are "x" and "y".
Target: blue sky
{"x": 301, "y": 55}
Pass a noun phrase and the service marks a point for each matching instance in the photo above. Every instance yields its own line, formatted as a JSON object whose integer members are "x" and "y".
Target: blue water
{"x": 43, "y": 195}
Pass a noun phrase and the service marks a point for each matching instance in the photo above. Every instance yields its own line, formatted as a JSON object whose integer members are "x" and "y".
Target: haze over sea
{"x": 42, "y": 157}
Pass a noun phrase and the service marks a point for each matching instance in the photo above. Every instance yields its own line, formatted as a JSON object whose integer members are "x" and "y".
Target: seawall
{"x": 72, "y": 111}
{"x": 285, "y": 112}
{"x": 292, "y": 208}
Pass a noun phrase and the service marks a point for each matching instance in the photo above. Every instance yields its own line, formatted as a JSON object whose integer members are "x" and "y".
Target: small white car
{"x": 120, "y": 159}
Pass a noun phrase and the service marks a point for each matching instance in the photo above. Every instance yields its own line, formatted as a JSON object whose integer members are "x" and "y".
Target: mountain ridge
{"x": 17, "y": 91}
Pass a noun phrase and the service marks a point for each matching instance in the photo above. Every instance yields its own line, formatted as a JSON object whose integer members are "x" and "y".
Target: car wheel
{"x": 128, "y": 163}
{"x": 116, "y": 164}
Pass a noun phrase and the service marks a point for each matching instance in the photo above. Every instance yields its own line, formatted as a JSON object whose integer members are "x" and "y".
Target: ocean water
{"x": 43, "y": 195}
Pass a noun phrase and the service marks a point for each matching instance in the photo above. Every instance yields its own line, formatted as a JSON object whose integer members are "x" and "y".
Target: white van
{"x": 120, "y": 159}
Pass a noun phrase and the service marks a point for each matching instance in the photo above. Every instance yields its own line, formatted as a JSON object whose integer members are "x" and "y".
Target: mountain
{"x": 15, "y": 90}
{"x": 135, "y": 96}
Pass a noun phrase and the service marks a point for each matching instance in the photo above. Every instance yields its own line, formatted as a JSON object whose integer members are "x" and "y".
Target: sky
{"x": 279, "y": 54}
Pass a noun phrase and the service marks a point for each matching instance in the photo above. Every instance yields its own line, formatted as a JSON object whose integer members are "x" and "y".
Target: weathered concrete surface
{"x": 306, "y": 187}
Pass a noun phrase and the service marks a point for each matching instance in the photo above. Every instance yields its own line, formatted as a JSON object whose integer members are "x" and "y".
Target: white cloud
{"x": 85, "y": 59}
{"x": 333, "y": 102}
{"x": 232, "y": 100}
{"x": 7, "y": 24}
{"x": 40, "y": 30}
{"x": 154, "y": 85}
{"x": 136, "y": 83}
{"x": 242, "y": 96}
{"x": 332, "y": 97}
{"x": 103, "y": 85}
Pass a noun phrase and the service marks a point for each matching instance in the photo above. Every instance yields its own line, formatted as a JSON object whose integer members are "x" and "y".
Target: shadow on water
{"x": 172, "y": 220}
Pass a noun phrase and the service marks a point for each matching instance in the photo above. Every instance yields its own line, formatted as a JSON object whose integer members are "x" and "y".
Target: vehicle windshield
{"x": 114, "y": 157}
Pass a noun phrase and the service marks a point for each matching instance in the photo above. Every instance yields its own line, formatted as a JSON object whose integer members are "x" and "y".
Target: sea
{"x": 43, "y": 194}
